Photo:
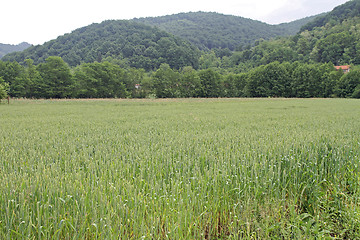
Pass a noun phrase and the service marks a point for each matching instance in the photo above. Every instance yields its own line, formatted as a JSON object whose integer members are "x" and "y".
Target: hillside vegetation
{"x": 212, "y": 30}
{"x": 138, "y": 45}
{"x": 337, "y": 15}
{"x": 337, "y": 42}
{"x": 133, "y": 44}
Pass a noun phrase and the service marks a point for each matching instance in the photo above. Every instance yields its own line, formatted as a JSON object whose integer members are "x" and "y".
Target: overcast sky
{"x": 38, "y": 21}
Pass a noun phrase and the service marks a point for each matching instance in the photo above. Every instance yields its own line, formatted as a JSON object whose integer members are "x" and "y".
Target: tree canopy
{"x": 135, "y": 44}
{"x": 345, "y": 11}
{"x": 209, "y": 30}
{"x": 4, "y": 88}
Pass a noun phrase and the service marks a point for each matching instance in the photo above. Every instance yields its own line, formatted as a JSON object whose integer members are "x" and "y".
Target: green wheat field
{"x": 180, "y": 169}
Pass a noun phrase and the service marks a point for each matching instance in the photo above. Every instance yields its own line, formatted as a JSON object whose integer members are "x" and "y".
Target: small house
{"x": 344, "y": 68}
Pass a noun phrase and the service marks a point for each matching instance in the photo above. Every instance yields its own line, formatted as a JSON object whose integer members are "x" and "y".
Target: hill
{"x": 208, "y": 30}
{"x": 9, "y": 48}
{"x": 336, "y": 16}
{"x": 333, "y": 37}
{"x": 148, "y": 42}
{"x": 135, "y": 44}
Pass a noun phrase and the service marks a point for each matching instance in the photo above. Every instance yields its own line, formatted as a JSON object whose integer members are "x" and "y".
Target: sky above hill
{"x": 38, "y": 21}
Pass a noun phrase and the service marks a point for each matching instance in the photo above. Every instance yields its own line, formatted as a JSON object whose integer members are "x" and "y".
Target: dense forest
{"x": 122, "y": 59}
{"x": 335, "y": 43}
{"x": 134, "y": 44}
{"x": 141, "y": 44}
{"x": 339, "y": 14}
{"x": 212, "y": 30}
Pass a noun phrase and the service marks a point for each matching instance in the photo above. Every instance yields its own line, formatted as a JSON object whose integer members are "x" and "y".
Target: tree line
{"x": 55, "y": 79}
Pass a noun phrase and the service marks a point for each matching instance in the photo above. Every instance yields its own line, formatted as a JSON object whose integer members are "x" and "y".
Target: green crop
{"x": 180, "y": 169}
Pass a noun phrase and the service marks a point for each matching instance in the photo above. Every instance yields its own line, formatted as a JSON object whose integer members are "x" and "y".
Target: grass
{"x": 180, "y": 169}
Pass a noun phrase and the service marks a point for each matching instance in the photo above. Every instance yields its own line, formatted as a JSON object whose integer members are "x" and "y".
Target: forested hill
{"x": 336, "y": 16}
{"x": 336, "y": 40}
{"x": 208, "y": 30}
{"x": 9, "y": 48}
{"x": 149, "y": 42}
{"x": 128, "y": 42}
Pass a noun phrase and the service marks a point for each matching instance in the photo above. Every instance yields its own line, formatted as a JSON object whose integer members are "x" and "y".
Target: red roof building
{"x": 344, "y": 68}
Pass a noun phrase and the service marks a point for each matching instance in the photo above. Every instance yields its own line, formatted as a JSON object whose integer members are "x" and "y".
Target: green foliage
{"x": 337, "y": 43}
{"x": 236, "y": 44}
{"x": 10, "y": 71}
{"x": 209, "y": 30}
{"x": 209, "y": 60}
{"x": 166, "y": 82}
{"x": 356, "y": 93}
{"x": 137, "y": 83}
{"x": 210, "y": 83}
{"x": 234, "y": 85}
{"x": 277, "y": 75}
{"x": 57, "y": 78}
{"x": 100, "y": 80}
{"x": 190, "y": 83}
{"x": 139, "y": 45}
{"x": 345, "y": 11}
{"x": 4, "y": 89}
{"x": 28, "y": 83}
{"x": 54, "y": 79}
{"x": 348, "y": 85}
{"x": 35, "y": 83}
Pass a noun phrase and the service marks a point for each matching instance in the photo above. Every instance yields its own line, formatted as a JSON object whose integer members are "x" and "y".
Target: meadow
{"x": 180, "y": 169}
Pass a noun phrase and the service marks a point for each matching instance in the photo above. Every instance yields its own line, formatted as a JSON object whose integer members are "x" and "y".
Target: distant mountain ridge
{"x": 9, "y": 48}
{"x": 208, "y": 30}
